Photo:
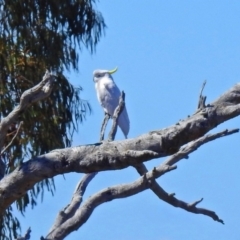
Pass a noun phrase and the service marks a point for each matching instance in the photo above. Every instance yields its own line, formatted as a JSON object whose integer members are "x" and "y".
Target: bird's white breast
{"x": 108, "y": 94}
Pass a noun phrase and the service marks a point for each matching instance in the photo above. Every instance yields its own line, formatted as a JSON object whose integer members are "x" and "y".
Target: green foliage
{"x": 9, "y": 225}
{"x": 36, "y": 35}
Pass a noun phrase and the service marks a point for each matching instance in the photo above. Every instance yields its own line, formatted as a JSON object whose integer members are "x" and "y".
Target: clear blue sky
{"x": 164, "y": 51}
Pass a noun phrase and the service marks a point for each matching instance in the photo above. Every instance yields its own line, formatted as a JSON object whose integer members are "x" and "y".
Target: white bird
{"x": 108, "y": 95}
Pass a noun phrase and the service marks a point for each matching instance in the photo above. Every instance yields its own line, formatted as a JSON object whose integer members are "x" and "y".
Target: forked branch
{"x": 70, "y": 210}
{"x": 147, "y": 181}
{"x": 35, "y": 94}
{"x": 72, "y": 207}
{"x": 176, "y": 141}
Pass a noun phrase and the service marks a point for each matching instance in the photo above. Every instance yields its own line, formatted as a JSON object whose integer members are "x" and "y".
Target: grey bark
{"x": 70, "y": 210}
{"x": 118, "y": 154}
{"x": 58, "y": 230}
{"x": 202, "y": 99}
{"x": 32, "y": 95}
{"x": 111, "y": 155}
{"x": 147, "y": 181}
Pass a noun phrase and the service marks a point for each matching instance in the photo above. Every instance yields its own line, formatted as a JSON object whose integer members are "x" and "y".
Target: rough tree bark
{"x": 176, "y": 141}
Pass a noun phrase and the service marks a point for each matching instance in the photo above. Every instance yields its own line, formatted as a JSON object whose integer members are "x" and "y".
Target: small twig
{"x": 204, "y": 83}
{"x": 194, "y": 204}
{"x": 26, "y": 236}
{"x": 104, "y": 125}
{"x": 202, "y": 99}
{"x": 20, "y": 124}
{"x": 116, "y": 114}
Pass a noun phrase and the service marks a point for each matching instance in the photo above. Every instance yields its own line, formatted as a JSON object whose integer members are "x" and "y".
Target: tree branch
{"x": 194, "y": 145}
{"x": 181, "y": 154}
{"x": 72, "y": 207}
{"x": 104, "y": 125}
{"x": 105, "y": 195}
{"x": 202, "y": 99}
{"x": 37, "y": 93}
{"x": 116, "y": 114}
{"x": 148, "y": 180}
{"x": 125, "y": 190}
{"x": 119, "y": 154}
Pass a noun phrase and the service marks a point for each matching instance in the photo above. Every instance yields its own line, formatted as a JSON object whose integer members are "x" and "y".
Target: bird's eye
{"x": 99, "y": 75}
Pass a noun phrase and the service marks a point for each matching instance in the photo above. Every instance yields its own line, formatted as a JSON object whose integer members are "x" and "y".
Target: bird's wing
{"x": 113, "y": 97}
{"x": 123, "y": 122}
{"x": 108, "y": 95}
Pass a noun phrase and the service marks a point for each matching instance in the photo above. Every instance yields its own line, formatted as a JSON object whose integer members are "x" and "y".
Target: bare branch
{"x": 183, "y": 153}
{"x": 72, "y": 207}
{"x": 105, "y": 195}
{"x": 194, "y": 145}
{"x": 19, "y": 126}
{"x": 194, "y": 204}
{"x": 104, "y": 125}
{"x": 116, "y": 114}
{"x": 148, "y": 180}
{"x": 37, "y": 93}
{"x": 202, "y": 99}
{"x": 119, "y": 154}
{"x": 123, "y": 191}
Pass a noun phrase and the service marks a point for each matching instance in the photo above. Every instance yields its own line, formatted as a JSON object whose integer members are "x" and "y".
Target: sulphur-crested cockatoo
{"x": 108, "y": 95}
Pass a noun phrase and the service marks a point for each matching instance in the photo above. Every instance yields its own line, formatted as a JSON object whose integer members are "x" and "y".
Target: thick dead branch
{"x": 26, "y": 236}
{"x": 148, "y": 180}
{"x": 116, "y": 114}
{"x": 35, "y": 94}
{"x": 105, "y": 195}
{"x": 125, "y": 190}
{"x": 119, "y": 154}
